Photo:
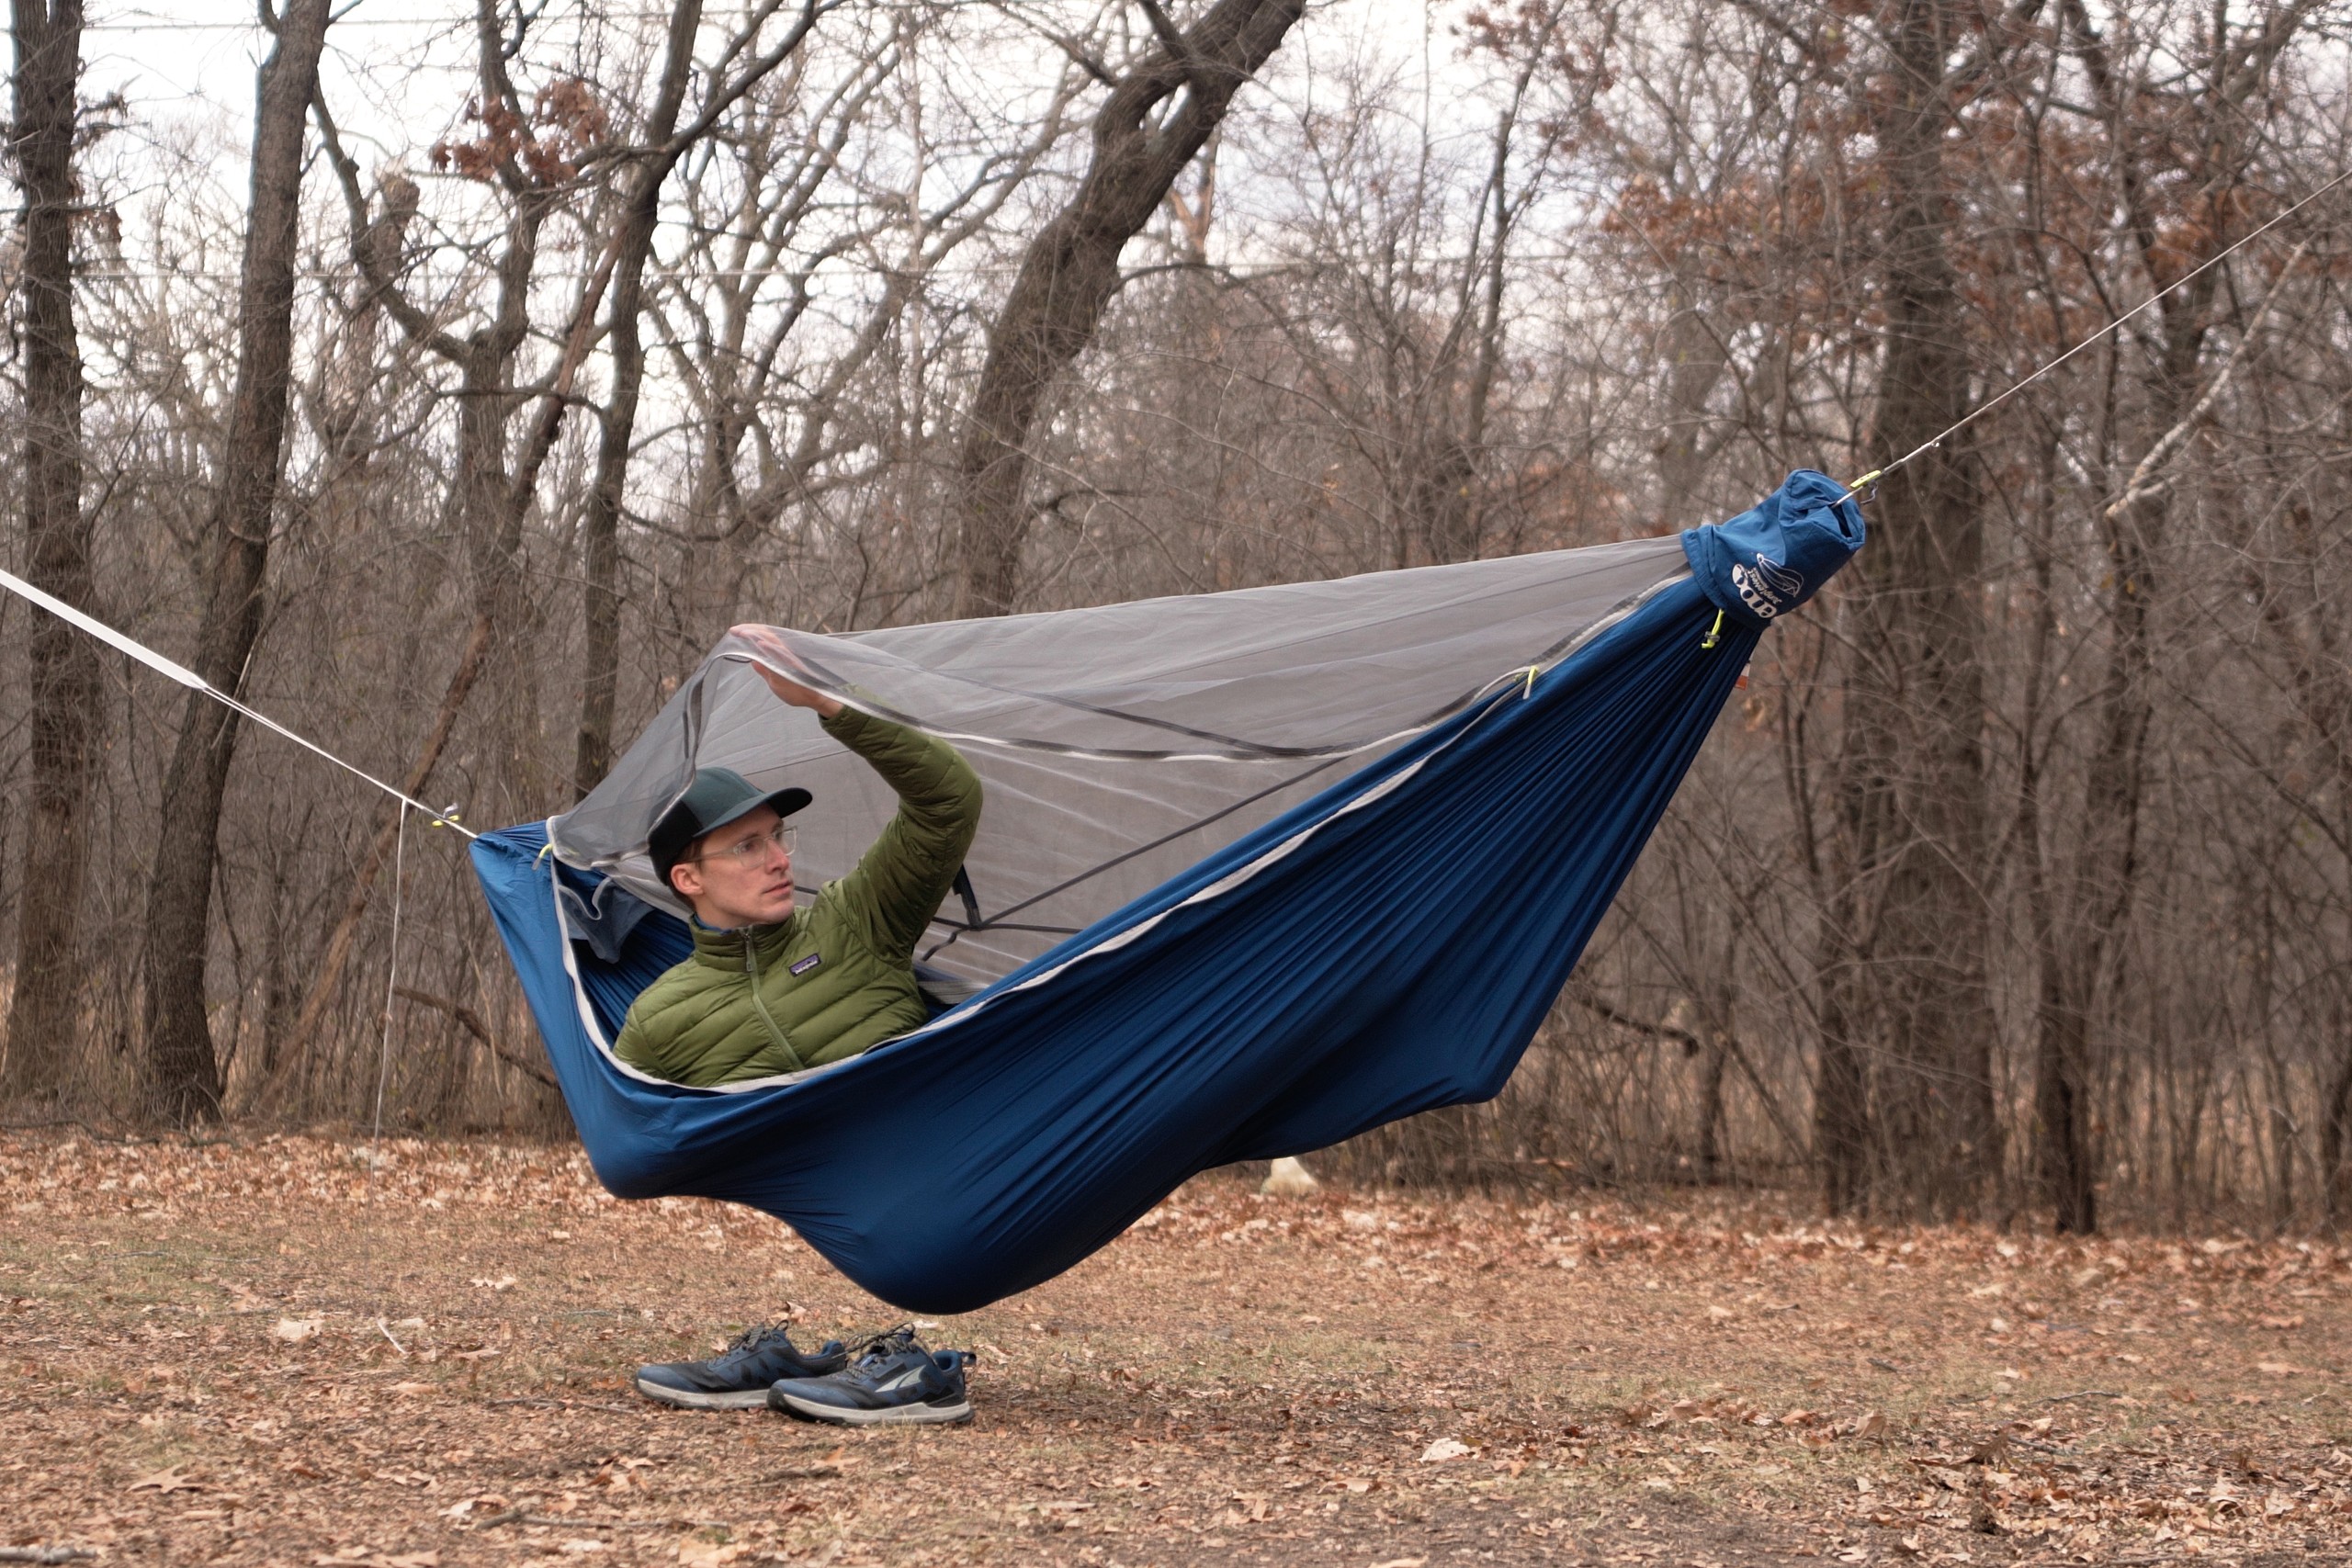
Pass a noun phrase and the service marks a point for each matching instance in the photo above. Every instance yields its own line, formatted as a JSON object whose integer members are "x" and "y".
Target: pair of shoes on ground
{"x": 891, "y": 1379}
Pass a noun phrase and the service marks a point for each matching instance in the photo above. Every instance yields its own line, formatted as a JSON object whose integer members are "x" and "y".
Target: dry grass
{"x": 199, "y": 1374}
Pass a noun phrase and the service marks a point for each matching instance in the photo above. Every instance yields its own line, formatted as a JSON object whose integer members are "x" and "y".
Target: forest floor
{"x": 270, "y": 1349}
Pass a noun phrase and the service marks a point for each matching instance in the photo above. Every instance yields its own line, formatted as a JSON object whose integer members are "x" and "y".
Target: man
{"x": 774, "y": 989}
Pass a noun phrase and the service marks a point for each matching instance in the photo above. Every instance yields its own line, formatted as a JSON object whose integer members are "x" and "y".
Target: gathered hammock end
{"x": 1257, "y": 871}
{"x": 1772, "y": 557}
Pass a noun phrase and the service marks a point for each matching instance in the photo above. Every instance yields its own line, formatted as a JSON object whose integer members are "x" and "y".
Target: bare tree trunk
{"x": 632, "y": 245}
{"x": 2335, "y": 1132}
{"x": 183, "y": 1076}
{"x": 600, "y": 545}
{"x": 1841, "y": 1107}
{"x": 1717, "y": 1030}
{"x": 1071, "y": 269}
{"x": 2100, "y": 889}
{"x": 488, "y": 501}
{"x": 2062, "y": 1077}
{"x": 492, "y": 506}
{"x": 329, "y": 974}
{"x": 42, "y": 1022}
{"x": 2101, "y": 882}
{"x": 1695, "y": 365}
{"x": 1841, "y": 1122}
{"x": 2074, "y": 934}
{"x": 1912, "y": 782}
{"x": 492, "y": 494}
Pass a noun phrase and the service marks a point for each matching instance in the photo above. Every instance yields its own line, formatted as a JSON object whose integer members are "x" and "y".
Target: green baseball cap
{"x": 717, "y": 797}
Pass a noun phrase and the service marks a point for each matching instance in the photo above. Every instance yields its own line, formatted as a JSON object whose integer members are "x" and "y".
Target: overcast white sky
{"x": 397, "y": 70}
{"x": 197, "y": 57}
{"x": 398, "y": 74}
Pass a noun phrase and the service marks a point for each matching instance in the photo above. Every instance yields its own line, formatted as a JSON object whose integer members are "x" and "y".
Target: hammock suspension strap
{"x": 139, "y": 650}
{"x": 1986, "y": 407}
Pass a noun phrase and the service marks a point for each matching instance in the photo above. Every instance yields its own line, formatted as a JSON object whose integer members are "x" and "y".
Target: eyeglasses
{"x": 745, "y": 853}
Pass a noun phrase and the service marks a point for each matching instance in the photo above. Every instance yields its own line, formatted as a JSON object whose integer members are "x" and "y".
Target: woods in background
{"x": 2016, "y": 885}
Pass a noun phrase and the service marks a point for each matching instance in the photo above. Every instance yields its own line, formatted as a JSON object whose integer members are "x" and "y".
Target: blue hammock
{"x": 1244, "y": 1010}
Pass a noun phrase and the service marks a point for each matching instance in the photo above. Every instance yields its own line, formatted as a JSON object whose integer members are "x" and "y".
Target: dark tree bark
{"x": 1716, "y": 1031}
{"x": 183, "y": 1076}
{"x": 1070, "y": 270}
{"x": 600, "y": 545}
{"x": 1905, "y": 972}
{"x": 1841, "y": 1117}
{"x": 631, "y": 246}
{"x": 2335, "y": 1132}
{"x": 1448, "y": 475}
{"x": 489, "y": 504}
{"x": 2096, "y": 885}
{"x": 42, "y": 1022}
{"x": 1695, "y": 361}
{"x": 2061, "y": 1096}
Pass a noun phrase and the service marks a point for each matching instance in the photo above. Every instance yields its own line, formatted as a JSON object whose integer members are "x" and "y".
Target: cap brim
{"x": 784, "y": 803}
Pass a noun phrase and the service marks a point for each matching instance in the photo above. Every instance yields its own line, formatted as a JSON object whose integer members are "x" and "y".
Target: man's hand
{"x": 787, "y": 690}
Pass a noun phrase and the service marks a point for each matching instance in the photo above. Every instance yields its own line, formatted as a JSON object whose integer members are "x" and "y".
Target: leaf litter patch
{"x": 308, "y": 1351}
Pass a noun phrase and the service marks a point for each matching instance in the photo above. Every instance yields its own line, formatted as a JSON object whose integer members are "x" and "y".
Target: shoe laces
{"x": 878, "y": 1349}
{"x": 754, "y": 1339}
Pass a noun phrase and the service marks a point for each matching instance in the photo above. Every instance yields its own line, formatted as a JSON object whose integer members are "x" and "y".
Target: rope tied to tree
{"x": 1870, "y": 482}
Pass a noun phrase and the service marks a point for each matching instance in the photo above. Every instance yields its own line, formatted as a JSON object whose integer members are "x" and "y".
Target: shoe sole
{"x": 697, "y": 1399}
{"x": 889, "y": 1416}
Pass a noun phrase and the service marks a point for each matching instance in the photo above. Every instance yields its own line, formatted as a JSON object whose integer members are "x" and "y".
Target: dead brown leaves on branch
{"x": 566, "y": 123}
{"x": 1574, "y": 61}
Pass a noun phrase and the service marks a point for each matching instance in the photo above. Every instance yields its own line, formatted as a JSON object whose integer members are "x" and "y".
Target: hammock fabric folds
{"x": 1384, "y": 946}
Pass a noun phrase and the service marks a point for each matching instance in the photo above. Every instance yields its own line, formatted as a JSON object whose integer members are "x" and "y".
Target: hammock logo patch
{"x": 802, "y": 966}
{"x": 1768, "y": 587}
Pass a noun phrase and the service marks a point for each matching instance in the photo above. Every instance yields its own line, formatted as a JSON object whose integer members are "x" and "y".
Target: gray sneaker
{"x": 894, "y": 1383}
{"x": 737, "y": 1377}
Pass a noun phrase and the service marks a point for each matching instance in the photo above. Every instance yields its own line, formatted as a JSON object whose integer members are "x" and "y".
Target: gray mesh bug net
{"x": 1117, "y": 744}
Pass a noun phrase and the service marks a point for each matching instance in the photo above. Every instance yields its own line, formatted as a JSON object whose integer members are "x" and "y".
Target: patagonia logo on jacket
{"x": 802, "y": 966}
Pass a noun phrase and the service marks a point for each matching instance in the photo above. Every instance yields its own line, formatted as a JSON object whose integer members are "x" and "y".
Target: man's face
{"x": 740, "y": 874}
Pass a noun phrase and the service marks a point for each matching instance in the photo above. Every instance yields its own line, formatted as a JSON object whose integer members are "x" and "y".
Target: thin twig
{"x": 73, "y": 1122}
{"x": 802, "y": 1472}
{"x": 2144, "y": 482}
{"x": 470, "y": 1021}
{"x": 518, "y": 1516}
{"x": 566, "y": 1404}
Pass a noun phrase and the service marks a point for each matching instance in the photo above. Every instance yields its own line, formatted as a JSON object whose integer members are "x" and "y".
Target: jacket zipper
{"x": 760, "y": 1006}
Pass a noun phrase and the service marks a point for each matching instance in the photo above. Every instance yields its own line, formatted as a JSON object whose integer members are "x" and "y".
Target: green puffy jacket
{"x": 832, "y": 979}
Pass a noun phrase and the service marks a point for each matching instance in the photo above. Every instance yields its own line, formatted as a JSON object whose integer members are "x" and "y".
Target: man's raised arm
{"x": 904, "y": 875}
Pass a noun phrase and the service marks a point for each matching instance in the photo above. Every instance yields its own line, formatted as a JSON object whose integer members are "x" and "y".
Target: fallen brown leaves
{"x": 305, "y": 1351}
